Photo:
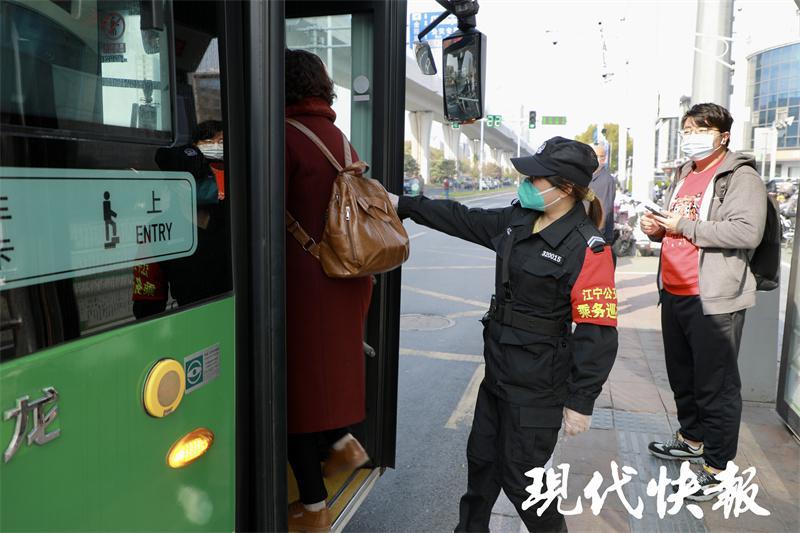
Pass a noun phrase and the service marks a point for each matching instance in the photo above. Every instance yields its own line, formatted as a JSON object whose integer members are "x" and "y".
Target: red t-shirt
{"x": 679, "y": 256}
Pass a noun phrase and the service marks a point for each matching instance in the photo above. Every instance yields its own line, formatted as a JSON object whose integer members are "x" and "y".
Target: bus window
{"x": 86, "y": 67}
{"x": 70, "y": 304}
{"x": 350, "y": 67}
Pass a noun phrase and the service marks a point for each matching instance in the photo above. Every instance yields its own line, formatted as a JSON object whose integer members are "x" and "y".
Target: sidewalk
{"x": 635, "y": 407}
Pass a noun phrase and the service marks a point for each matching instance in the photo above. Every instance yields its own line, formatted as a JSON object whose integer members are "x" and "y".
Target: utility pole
{"x": 480, "y": 170}
{"x": 711, "y": 80}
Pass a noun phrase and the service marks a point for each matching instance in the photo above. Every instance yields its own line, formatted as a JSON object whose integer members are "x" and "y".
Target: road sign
{"x": 554, "y": 121}
{"x": 64, "y": 223}
{"x": 419, "y": 21}
{"x": 494, "y": 121}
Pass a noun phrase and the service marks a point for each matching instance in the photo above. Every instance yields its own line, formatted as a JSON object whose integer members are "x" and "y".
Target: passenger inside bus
{"x": 206, "y": 272}
{"x": 326, "y": 384}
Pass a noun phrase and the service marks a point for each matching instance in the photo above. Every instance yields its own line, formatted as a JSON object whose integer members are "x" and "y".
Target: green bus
{"x": 142, "y": 344}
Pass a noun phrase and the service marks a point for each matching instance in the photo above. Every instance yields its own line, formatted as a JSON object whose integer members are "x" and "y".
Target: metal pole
{"x": 480, "y": 162}
{"x": 458, "y": 145}
{"x": 711, "y": 80}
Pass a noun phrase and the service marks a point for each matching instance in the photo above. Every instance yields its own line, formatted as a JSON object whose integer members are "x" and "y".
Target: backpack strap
{"x": 725, "y": 180}
{"x": 321, "y": 145}
{"x": 306, "y": 241}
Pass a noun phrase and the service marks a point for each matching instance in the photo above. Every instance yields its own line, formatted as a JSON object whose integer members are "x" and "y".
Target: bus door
{"x": 117, "y": 375}
{"x": 363, "y": 47}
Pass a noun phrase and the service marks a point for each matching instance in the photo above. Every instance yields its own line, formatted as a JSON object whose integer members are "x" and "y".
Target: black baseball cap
{"x": 572, "y": 160}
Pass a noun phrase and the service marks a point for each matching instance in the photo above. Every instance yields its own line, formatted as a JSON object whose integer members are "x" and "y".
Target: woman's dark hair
{"x": 206, "y": 130}
{"x": 709, "y": 116}
{"x": 306, "y": 77}
{"x": 580, "y": 193}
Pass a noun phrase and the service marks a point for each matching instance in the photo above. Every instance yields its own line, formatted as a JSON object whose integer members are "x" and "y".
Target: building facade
{"x": 773, "y": 97}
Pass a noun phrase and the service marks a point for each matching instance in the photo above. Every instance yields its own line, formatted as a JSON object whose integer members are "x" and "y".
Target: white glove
{"x": 393, "y": 198}
{"x": 575, "y": 423}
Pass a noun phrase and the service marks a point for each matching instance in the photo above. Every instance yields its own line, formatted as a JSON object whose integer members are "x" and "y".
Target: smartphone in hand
{"x": 655, "y": 211}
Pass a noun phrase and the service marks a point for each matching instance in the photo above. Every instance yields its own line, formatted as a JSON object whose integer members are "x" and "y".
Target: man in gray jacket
{"x": 715, "y": 219}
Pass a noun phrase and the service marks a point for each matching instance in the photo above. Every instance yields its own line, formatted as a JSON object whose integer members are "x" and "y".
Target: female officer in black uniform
{"x": 553, "y": 269}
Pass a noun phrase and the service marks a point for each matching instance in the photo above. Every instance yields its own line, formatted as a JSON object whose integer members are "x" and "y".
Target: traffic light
{"x": 532, "y": 120}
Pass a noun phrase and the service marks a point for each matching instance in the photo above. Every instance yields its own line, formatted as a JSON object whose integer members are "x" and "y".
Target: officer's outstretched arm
{"x": 474, "y": 225}
{"x": 594, "y": 342}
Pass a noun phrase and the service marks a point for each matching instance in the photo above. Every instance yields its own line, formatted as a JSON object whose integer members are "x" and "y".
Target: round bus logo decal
{"x": 194, "y": 372}
{"x": 113, "y": 25}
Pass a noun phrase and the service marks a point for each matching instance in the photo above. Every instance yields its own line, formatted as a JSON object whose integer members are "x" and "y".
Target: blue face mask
{"x": 531, "y": 198}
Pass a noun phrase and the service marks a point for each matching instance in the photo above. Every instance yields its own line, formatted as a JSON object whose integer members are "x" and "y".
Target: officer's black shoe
{"x": 676, "y": 449}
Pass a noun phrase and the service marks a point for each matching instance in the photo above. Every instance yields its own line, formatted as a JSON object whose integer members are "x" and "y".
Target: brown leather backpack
{"x": 363, "y": 234}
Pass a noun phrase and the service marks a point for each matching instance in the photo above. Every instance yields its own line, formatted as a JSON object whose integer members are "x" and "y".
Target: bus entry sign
{"x": 64, "y": 223}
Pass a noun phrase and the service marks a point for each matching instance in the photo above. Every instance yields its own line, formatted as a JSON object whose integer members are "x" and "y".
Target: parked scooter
{"x": 625, "y": 218}
{"x": 624, "y": 241}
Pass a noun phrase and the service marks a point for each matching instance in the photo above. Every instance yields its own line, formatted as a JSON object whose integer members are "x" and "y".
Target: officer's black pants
{"x": 701, "y": 353}
{"x": 499, "y": 452}
{"x": 306, "y": 451}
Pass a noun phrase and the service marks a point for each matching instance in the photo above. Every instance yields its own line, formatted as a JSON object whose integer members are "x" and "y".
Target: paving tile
{"x": 595, "y": 438}
{"x": 585, "y": 460}
{"x": 642, "y": 397}
{"x": 640, "y": 422}
{"x": 602, "y": 418}
{"x": 604, "y": 400}
{"x": 607, "y": 520}
{"x": 504, "y": 506}
{"x": 506, "y": 524}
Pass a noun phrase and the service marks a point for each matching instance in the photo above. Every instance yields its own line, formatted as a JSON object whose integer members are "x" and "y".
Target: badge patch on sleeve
{"x": 552, "y": 256}
{"x": 594, "y": 295}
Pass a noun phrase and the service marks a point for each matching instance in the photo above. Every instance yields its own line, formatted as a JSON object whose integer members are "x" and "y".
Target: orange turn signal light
{"x": 190, "y": 447}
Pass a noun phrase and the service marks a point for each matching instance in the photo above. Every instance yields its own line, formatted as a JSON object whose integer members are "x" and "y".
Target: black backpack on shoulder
{"x": 765, "y": 263}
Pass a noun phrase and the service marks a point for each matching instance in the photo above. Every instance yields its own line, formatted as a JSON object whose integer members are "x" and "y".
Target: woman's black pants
{"x": 702, "y": 354}
{"x": 306, "y": 452}
{"x": 505, "y": 442}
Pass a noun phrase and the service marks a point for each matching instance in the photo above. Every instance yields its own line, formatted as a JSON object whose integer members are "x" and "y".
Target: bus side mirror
{"x": 425, "y": 58}
{"x": 464, "y": 76}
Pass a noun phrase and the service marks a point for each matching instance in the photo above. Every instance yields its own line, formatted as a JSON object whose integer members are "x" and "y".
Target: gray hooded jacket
{"x": 726, "y": 232}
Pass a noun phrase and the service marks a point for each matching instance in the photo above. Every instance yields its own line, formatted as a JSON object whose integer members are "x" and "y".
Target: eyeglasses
{"x": 687, "y": 131}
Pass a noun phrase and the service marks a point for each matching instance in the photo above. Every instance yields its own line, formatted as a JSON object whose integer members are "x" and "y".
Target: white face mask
{"x": 698, "y": 146}
{"x": 212, "y": 150}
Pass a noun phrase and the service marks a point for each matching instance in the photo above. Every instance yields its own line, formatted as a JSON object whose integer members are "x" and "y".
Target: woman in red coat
{"x": 325, "y": 316}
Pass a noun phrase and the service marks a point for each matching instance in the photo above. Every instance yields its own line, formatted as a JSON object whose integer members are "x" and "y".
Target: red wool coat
{"x": 325, "y": 316}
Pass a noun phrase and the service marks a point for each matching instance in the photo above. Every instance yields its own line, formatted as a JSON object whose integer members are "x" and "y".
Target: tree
{"x": 410, "y": 165}
{"x": 612, "y": 134}
{"x": 492, "y": 170}
{"x": 442, "y": 168}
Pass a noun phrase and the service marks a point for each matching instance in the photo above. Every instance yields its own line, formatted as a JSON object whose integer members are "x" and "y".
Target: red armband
{"x": 594, "y": 295}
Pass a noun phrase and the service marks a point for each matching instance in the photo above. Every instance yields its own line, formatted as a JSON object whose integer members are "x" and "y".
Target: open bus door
{"x": 362, "y": 44}
{"x": 142, "y": 297}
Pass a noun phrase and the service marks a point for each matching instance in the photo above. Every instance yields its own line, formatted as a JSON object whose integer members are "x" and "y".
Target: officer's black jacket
{"x": 563, "y": 273}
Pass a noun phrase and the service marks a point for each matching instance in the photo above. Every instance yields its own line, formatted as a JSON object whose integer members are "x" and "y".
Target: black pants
{"x": 701, "y": 353}
{"x": 306, "y": 452}
{"x": 502, "y": 446}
